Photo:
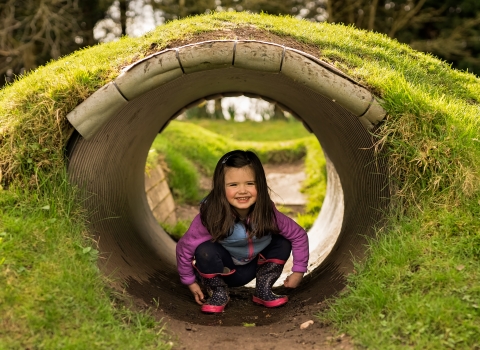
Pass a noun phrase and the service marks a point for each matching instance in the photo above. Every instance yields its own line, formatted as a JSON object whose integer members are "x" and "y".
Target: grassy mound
{"x": 419, "y": 287}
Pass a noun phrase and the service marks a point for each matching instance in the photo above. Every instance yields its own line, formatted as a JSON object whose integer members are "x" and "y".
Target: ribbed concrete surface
{"x": 110, "y": 165}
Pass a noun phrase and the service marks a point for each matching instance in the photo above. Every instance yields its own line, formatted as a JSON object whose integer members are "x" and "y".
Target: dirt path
{"x": 293, "y": 326}
{"x": 282, "y": 326}
{"x": 285, "y": 334}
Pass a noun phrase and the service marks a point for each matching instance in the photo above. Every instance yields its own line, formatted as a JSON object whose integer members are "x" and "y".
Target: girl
{"x": 240, "y": 235}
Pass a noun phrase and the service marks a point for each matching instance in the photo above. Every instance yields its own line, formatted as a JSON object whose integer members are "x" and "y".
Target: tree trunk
{"x": 92, "y": 12}
{"x": 218, "y": 114}
{"x": 181, "y": 8}
{"x": 123, "y": 16}
{"x": 29, "y": 57}
{"x": 329, "y": 11}
{"x": 373, "y": 11}
{"x": 278, "y": 113}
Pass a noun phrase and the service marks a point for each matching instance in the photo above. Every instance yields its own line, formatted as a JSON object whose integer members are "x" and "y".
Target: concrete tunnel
{"x": 116, "y": 126}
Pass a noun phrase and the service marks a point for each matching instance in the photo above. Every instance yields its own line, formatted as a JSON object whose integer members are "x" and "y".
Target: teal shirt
{"x": 242, "y": 248}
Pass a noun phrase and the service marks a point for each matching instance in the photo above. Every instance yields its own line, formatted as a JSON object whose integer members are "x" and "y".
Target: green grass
{"x": 177, "y": 230}
{"x": 182, "y": 175}
{"x": 417, "y": 288}
{"x": 206, "y": 147}
{"x": 273, "y": 130}
{"x": 52, "y": 295}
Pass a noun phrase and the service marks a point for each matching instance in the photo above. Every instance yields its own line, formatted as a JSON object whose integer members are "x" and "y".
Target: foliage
{"x": 449, "y": 30}
{"x": 239, "y": 108}
{"x": 35, "y": 32}
{"x": 178, "y": 230}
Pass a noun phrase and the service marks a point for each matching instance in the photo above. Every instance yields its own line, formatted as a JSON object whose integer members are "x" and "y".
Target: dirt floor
{"x": 244, "y": 325}
{"x": 297, "y": 329}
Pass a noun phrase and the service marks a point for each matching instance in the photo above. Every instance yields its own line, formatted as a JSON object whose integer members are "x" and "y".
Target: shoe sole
{"x": 273, "y": 303}
{"x": 213, "y": 309}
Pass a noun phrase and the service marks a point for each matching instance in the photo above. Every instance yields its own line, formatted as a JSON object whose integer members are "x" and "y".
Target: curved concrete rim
{"x": 118, "y": 123}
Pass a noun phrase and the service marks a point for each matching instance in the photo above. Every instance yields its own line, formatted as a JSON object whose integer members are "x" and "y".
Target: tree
{"x": 173, "y": 9}
{"x": 271, "y": 7}
{"x": 448, "y": 29}
{"x": 36, "y": 31}
{"x": 453, "y": 35}
{"x": 277, "y": 113}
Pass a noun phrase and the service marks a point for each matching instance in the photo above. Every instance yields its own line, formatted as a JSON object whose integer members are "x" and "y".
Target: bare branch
{"x": 403, "y": 20}
{"x": 453, "y": 45}
{"x": 35, "y": 31}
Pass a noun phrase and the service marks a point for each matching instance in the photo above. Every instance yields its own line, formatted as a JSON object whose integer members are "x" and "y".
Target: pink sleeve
{"x": 195, "y": 235}
{"x": 299, "y": 239}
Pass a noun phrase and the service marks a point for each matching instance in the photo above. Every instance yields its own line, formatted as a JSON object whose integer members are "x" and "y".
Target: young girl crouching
{"x": 239, "y": 235}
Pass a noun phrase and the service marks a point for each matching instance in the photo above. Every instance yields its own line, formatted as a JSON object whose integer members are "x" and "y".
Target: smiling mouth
{"x": 242, "y": 198}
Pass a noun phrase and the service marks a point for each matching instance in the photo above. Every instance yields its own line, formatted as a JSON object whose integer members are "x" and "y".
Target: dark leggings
{"x": 213, "y": 257}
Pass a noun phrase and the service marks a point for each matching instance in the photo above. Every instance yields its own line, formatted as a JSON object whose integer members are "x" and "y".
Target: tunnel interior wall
{"x": 109, "y": 167}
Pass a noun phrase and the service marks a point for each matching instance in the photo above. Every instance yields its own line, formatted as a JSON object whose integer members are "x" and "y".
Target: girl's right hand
{"x": 197, "y": 293}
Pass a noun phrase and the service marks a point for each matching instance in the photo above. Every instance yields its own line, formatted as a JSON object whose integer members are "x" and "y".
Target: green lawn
{"x": 52, "y": 295}
{"x": 274, "y": 130}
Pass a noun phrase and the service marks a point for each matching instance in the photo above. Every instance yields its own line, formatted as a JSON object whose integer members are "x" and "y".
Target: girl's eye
{"x": 251, "y": 183}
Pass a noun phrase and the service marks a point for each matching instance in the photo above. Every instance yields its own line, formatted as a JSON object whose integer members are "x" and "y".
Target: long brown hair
{"x": 216, "y": 213}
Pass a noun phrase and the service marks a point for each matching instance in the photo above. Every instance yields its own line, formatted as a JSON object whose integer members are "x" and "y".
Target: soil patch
{"x": 186, "y": 212}
{"x": 286, "y": 168}
{"x": 255, "y": 327}
{"x": 243, "y": 32}
{"x": 284, "y": 334}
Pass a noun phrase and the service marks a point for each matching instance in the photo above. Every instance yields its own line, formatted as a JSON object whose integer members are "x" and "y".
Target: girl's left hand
{"x": 293, "y": 280}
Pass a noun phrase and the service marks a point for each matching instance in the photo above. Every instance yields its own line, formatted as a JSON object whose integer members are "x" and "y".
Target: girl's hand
{"x": 293, "y": 280}
{"x": 197, "y": 293}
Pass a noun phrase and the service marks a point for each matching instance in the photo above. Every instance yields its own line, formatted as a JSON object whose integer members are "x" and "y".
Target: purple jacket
{"x": 197, "y": 234}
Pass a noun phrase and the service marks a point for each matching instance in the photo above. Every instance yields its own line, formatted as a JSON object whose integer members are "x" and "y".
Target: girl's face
{"x": 240, "y": 188}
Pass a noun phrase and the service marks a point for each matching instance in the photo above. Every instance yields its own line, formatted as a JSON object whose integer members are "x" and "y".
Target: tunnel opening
{"x": 176, "y": 179}
{"x": 117, "y": 125}
{"x": 178, "y": 175}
